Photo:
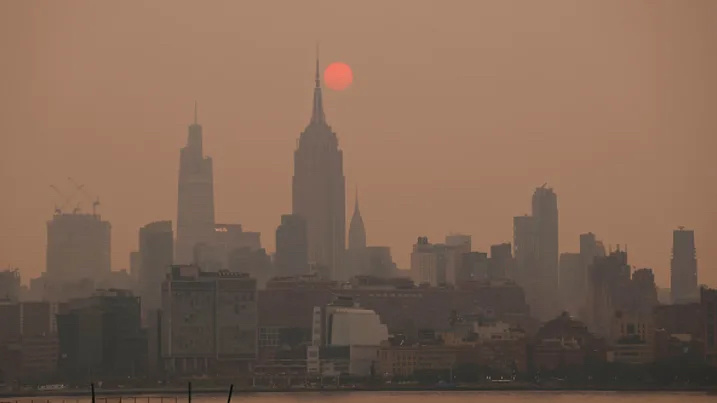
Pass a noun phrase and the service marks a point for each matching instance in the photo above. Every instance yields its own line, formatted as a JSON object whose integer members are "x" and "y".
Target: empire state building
{"x": 319, "y": 189}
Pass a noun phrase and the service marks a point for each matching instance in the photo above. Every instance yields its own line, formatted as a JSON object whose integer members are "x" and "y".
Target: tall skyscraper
{"x": 156, "y": 252}
{"x": 683, "y": 273}
{"x": 545, "y": 214}
{"x": 78, "y": 247}
{"x": 195, "y": 206}
{"x": 319, "y": 188}
{"x": 291, "y": 246}
{"x": 590, "y": 248}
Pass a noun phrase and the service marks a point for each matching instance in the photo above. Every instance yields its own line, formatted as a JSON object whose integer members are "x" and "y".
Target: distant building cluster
{"x": 203, "y": 298}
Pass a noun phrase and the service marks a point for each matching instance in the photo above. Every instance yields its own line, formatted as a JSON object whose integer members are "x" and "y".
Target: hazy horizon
{"x": 457, "y": 112}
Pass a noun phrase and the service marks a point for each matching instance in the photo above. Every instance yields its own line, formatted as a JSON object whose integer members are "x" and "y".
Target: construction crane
{"x": 65, "y": 199}
{"x": 81, "y": 188}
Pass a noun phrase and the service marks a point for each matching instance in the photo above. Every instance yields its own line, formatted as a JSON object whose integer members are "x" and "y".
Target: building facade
{"x": 195, "y": 201}
{"x": 292, "y": 246}
{"x": 683, "y": 272}
{"x": 208, "y": 322}
{"x": 319, "y": 189}
{"x": 78, "y": 248}
{"x": 10, "y": 285}
{"x": 156, "y": 250}
{"x": 101, "y": 336}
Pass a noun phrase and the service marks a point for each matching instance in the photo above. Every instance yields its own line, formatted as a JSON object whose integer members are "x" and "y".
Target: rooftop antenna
{"x": 195, "y": 112}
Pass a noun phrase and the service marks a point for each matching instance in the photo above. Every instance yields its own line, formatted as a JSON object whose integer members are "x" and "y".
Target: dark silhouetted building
{"x": 571, "y": 281}
{"x": 609, "y": 282}
{"x": 10, "y": 285}
{"x": 319, "y": 189}
{"x": 544, "y": 279}
{"x": 379, "y": 262}
{"x": 195, "y": 208}
{"x": 683, "y": 274}
{"x": 135, "y": 264}
{"x": 565, "y": 342}
{"x": 590, "y": 248}
{"x": 474, "y": 266}
{"x": 524, "y": 247}
{"x": 101, "y": 336}
{"x": 291, "y": 246}
{"x": 156, "y": 249}
{"x": 501, "y": 263}
{"x": 708, "y": 302}
{"x": 641, "y": 295}
{"x": 28, "y": 341}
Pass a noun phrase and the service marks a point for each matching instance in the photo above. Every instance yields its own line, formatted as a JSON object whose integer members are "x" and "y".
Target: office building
{"x": 683, "y": 273}
{"x": 101, "y": 336}
{"x": 195, "y": 206}
{"x": 208, "y": 321}
{"x": 28, "y": 341}
{"x": 10, "y": 285}
{"x": 78, "y": 248}
{"x": 571, "y": 282}
{"x": 291, "y": 257}
{"x": 156, "y": 250}
{"x": 425, "y": 263}
{"x": 319, "y": 189}
{"x": 227, "y": 239}
{"x": 474, "y": 266}
{"x": 524, "y": 247}
{"x": 501, "y": 263}
{"x": 545, "y": 277}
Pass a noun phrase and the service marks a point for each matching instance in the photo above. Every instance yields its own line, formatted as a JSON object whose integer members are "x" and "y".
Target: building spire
{"x": 317, "y": 115}
{"x": 195, "y": 111}
{"x": 357, "y": 230}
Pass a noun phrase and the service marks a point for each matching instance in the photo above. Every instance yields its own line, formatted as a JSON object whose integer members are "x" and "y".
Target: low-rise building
{"x": 208, "y": 321}
{"x": 565, "y": 342}
{"x": 101, "y": 336}
{"x": 345, "y": 339}
{"x": 28, "y": 340}
{"x": 632, "y": 338}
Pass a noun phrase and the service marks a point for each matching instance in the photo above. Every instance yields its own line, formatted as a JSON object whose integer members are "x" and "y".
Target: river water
{"x": 406, "y": 397}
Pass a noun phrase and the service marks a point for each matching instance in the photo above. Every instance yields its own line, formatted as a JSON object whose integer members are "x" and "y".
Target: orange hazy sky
{"x": 458, "y": 110}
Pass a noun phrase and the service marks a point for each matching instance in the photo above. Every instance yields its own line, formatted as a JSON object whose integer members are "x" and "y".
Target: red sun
{"x": 338, "y": 76}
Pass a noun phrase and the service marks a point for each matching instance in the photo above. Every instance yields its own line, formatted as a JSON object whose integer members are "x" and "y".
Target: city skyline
{"x": 397, "y": 205}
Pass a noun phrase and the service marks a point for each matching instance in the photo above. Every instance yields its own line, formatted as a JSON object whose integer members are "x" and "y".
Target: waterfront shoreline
{"x": 181, "y": 392}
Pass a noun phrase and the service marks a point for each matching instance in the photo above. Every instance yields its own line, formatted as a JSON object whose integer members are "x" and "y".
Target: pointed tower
{"x": 195, "y": 201}
{"x": 357, "y": 231}
{"x": 318, "y": 193}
